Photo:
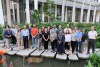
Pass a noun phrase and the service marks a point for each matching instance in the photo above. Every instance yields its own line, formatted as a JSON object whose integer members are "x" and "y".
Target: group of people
{"x": 57, "y": 39}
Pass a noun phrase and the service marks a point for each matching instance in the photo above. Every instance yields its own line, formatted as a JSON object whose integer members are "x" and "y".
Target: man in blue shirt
{"x": 7, "y": 36}
{"x": 79, "y": 43}
{"x": 25, "y": 35}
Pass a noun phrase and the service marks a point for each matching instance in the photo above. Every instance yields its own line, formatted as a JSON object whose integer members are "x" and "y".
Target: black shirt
{"x": 46, "y": 35}
{"x": 40, "y": 35}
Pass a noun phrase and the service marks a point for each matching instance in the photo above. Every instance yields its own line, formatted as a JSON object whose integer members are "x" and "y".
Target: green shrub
{"x": 94, "y": 60}
{"x": 1, "y": 29}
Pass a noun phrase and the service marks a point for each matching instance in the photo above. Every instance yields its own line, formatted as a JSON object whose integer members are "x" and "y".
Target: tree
{"x": 48, "y": 9}
{"x": 36, "y": 17}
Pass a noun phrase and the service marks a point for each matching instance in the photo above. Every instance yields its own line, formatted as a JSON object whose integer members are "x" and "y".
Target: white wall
{"x": 1, "y": 14}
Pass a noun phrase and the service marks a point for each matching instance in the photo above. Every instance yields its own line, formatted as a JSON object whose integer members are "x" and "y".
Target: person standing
{"x": 54, "y": 28}
{"x": 84, "y": 37}
{"x": 14, "y": 34}
{"x": 46, "y": 38}
{"x": 42, "y": 30}
{"x": 30, "y": 37}
{"x": 60, "y": 41}
{"x": 59, "y": 29}
{"x": 7, "y": 35}
{"x": 34, "y": 33}
{"x": 3, "y": 32}
{"x": 79, "y": 42}
{"x": 40, "y": 39}
{"x": 19, "y": 38}
{"x": 49, "y": 42}
{"x": 67, "y": 28}
{"x": 25, "y": 35}
{"x": 91, "y": 41}
{"x": 67, "y": 40}
{"x": 53, "y": 38}
{"x": 73, "y": 41}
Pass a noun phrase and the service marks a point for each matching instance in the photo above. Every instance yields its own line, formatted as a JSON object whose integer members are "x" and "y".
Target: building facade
{"x": 70, "y": 10}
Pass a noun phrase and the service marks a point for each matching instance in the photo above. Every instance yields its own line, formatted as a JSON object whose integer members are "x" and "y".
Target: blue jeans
{"x": 78, "y": 46}
{"x": 34, "y": 41}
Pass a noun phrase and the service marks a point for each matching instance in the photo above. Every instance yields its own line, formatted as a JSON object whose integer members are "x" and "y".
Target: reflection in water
{"x": 41, "y": 62}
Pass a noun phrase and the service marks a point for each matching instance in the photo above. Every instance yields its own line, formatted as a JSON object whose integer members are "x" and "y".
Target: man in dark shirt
{"x": 7, "y": 35}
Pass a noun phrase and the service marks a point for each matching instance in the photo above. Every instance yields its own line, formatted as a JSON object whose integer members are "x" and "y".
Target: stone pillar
{"x": 8, "y": 12}
{"x": 35, "y": 4}
{"x": 42, "y": 12}
{"x": 1, "y": 14}
{"x": 66, "y": 16}
{"x": 63, "y": 9}
{"x": 13, "y": 8}
{"x": 97, "y": 16}
{"x": 18, "y": 13}
{"x": 82, "y": 11}
{"x": 73, "y": 12}
{"x": 88, "y": 14}
{"x": 55, "y": 11}
{"x": 27, "y": 12}
{"x": 94, "y": 15}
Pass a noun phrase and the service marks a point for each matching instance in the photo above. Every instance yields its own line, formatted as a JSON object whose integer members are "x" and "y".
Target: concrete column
{"x": 13, "y": 8}
{"x": 18, "y": 13}
{"x": 63, "y": 9}
{"x": 27, "y": 12}
{"x": 88, "y": 14}
{"x": 8, "y": 12}
{"x": 82, "y": 11}
{"x": 94, "y": 15}
{"x": 55, "y": 11}
{"x": 73, "y": 12}
{"x": 35, "y": 4}
{"x": 1, "y": 14}
{"x": 42, "y": 12}
{"x": 97, "y": 16}
{"x": 66, "y": 15}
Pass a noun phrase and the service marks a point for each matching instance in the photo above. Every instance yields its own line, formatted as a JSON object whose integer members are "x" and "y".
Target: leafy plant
{"x": 48, "y": 9}
{"x": 94, "y": 60}
{"x": 89, "y": 64}
{"x": 36, "y": 17}
{"x": 1, "y": 29}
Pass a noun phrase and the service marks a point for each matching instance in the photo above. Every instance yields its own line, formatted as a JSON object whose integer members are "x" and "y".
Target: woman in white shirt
{"x": 67, "y": 40}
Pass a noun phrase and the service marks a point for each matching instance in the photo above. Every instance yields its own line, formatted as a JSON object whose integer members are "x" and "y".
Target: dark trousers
{"x": 45, "y": 45}
{"x": 60, "y": 48}
{"x": 91, "y": 43}
{"x": 25, "y": 41}
{"x": 67, "y": 46}
{"x": 73, "y": 45}
{"x": 53, "y": 45}
{"x": 13, "y": 40}
{"x": 78, "y": 46}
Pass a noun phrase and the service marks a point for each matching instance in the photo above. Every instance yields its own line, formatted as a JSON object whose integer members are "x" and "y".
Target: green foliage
{"x": 48, "y": 9}
{"x": 36, "y": 17}
{"x": 1, "y": 29}
{"x": 79, "y": 25}
{"x": 94, "y": 60}
{"x": 89, "y": 64}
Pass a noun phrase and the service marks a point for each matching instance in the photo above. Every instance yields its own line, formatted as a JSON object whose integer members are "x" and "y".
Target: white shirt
{"x": 25, "y": 33}
{"x": 67, "y": 37}
{"x": 67, "y": 29}
{"x": 14, "y": 31}
{"x": 92, "y": 34}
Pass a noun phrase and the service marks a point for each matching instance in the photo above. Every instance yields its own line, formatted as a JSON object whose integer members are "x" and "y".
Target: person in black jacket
{"x": 84, "y": 37}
